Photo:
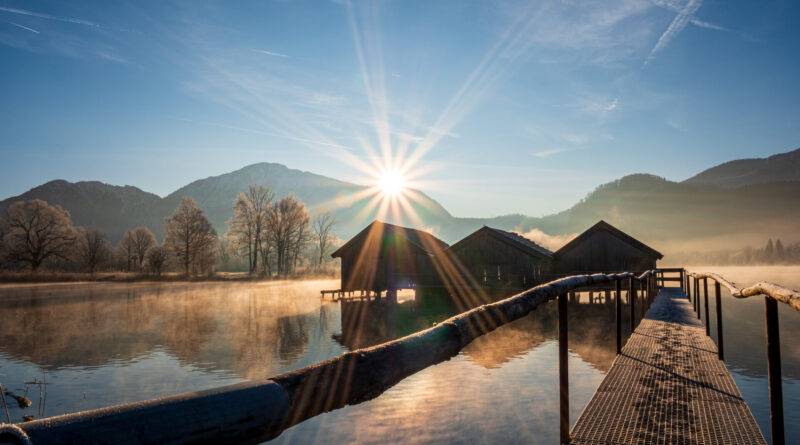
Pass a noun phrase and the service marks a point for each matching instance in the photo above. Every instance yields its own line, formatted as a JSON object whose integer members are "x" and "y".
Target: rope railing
{"x": 773, "y": 294}
{"x": 264, "y": 409}
{"x": 772, "y": 290}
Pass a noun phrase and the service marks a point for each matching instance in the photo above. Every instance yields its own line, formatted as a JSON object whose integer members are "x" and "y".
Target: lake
{"x": 101, "y": 344}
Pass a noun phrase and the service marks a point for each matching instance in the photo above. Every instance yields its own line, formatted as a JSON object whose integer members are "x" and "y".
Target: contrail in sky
{"x": 23, "y": 27}
{"x": 49, "y": 16}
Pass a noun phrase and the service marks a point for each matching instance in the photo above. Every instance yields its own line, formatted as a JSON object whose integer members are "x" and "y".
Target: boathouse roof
{"x": 419, "y": 240}
{"x": 604, "y": 226}
{"x": 511, "y": 238}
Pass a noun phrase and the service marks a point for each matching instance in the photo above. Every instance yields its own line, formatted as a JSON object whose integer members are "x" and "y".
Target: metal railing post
{"x": 619, "y": 315}
{"x": 563, "y": 369}
{"x": 774, "y": 373}
{"x": 720, "y": 342}
{"x": 632, "y": 303}
{"x": 705, "y": 299}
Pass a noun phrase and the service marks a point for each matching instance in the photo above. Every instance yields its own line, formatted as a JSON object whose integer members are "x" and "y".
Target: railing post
{"x": 697, "y": 297}
{"x": 720, "y": 342}
{"x": 705, "y": 299}
{"x": 619, "y": 315}
{"x": 632, "y": 303}
{"x": 563, "y": 370}
{"x": 774, "y": 373}
{"x": 683, "y": 279}
{"x": 688, "y": 288}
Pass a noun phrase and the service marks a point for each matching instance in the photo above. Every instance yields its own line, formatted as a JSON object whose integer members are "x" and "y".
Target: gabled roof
{"x": 602, "y": 225}
{"x": 514, "y": 239}
{"x": 418, "y": 239}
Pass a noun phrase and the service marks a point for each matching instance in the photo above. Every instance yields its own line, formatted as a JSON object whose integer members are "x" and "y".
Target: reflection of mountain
{"x": 250, "y": 330}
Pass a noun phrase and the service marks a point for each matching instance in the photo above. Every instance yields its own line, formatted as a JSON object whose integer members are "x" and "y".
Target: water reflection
{"x": 368, "y": 323}
{"x": 103, "y": 344}
{"x": 238, "y": 329}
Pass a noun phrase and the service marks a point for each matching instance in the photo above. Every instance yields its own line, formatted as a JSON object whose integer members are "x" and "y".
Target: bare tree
{"x": 241, "y": 230}
{"x": 126, "y": 250}
{"x": 259, "y": 198}
{"x": 323, "y": 225}
{"x": 189, "y": 235}
{"x": 157, "y": 257}
{"x": 141, "y": 239}
{"x": 92, "y": 249}
{"x": 287, "y": 223}
{"x": 247, "y": 227}
{"x": 38, "y": 231}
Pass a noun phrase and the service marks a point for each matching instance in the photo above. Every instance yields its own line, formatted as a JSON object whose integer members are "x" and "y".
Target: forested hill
{"x": 682, "y": 216}
{"x": 115, "y": 209}
{"x": 670, "y": 216}
{"x": 742, "y": 172}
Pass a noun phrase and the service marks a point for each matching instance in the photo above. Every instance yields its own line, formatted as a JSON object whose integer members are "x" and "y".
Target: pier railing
{"x": 257, "y": 411}
{"x": 773, "y": 294}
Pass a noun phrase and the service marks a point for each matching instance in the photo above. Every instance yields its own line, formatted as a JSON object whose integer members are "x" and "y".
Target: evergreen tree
{"x": 769, "y": 251}
{"x": 780, "y": 254}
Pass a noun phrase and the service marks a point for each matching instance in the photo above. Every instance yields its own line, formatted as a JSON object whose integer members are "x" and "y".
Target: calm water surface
{"x": 102, "y": 344}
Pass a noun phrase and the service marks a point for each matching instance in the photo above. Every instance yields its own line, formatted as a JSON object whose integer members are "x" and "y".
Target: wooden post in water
{"x": 774, "y": 373}
{"x": 720, "y": 342}
{"x": 563, "y": 369}
{"x": 705, "y": 299}
{"x": 632, "y": 303}
{"x": 618, "y": 308}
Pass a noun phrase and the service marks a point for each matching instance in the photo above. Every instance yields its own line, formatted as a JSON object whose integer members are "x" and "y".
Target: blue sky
{"x": 506, "y": 106}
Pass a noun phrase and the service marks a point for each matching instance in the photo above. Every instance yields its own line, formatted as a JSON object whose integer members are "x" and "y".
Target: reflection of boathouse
{"x": 388, "y": 257}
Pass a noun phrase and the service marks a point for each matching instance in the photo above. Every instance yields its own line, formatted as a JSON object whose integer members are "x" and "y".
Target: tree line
{"x": 772, "y": 253}
{"x": 265, "y": 236}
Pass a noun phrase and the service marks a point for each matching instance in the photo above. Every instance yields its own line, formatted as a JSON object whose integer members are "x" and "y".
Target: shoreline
{"x": 23, "y": 280}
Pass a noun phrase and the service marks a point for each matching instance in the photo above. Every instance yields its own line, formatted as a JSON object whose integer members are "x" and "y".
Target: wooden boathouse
{"x": 387, "y": 257}
{"x": 498, "y": 258}
{"x": 604, "y": 249}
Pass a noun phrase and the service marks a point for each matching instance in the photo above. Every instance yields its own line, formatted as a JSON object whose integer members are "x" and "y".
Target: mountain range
{"x": 729, "y": 205}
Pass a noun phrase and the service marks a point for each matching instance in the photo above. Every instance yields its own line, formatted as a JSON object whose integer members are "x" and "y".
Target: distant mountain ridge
{"x": 729, "y": 203}
{"x": 741, "y": 172}
{"x": 115, "y": 209}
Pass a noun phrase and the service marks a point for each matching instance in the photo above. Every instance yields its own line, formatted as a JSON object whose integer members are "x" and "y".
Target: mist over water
{"x": 103, "y": 344}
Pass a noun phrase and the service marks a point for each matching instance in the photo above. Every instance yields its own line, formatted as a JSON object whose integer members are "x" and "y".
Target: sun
{"x": 391, "y": 183}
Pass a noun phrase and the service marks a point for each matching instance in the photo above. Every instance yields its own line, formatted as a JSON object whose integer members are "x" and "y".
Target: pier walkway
{"x": 667, "y": 387}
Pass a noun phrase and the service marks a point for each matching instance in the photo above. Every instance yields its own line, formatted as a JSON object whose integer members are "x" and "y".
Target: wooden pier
{"x": 354, "y": 295}
{"x": 668, "y": 386}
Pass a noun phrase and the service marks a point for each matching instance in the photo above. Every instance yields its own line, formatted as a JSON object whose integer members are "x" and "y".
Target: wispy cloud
{"x": 23, "y": 27}
{"x": 550, "y": 152}
{"x": 685, "y": 16}
{"x": 272, "y": 53}
{"x": 41, "y": 15}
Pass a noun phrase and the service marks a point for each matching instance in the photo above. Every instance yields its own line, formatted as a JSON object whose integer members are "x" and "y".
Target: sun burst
{"x": 392, "y": 183}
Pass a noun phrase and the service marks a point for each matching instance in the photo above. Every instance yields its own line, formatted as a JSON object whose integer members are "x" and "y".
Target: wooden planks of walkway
{"x": 667, "y": 387}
